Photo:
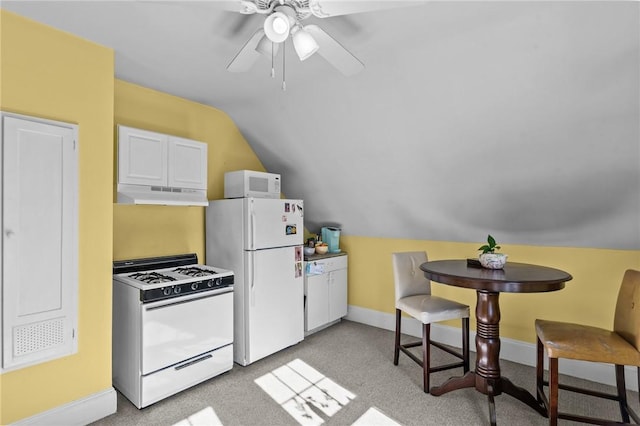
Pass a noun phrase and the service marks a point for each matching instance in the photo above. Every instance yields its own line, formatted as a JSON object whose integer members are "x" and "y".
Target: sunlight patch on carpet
{"x": 205, "y": 417}
{"x": 304, "y": 392}
{"x": 375, "y": 417}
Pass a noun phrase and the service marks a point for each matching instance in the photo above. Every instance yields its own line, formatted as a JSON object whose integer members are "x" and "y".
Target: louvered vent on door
{"x": 37, "y": 337}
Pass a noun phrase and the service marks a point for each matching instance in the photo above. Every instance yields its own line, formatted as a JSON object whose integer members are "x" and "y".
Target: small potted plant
{"x": 489, "y": 258}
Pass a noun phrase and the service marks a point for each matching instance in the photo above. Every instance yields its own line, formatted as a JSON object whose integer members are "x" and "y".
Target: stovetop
{"x": 146, "y": 280}
{"x": 170, "y": 276}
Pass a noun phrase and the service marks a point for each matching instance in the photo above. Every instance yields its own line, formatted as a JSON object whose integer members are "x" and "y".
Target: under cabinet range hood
{"x": 155, "y": 168}
{"x": 159, "y": 195}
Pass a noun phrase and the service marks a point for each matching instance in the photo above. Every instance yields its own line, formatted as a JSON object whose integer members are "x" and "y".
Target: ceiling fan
{"x": 284, "y": 21}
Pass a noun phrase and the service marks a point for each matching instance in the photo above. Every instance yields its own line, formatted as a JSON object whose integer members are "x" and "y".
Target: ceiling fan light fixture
{"x": 280, "y": 25}
{"x": 266, "y": 47}
{"x": 277, "y": 26}
{"x": 303, "y": 42}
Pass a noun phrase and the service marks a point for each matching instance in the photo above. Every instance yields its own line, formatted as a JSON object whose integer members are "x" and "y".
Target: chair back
{"x": 409, "y": 279}
{"x": 627, "y": 317}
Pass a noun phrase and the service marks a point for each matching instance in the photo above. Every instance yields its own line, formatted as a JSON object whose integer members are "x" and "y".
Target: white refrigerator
{"x": 260, "y": 240}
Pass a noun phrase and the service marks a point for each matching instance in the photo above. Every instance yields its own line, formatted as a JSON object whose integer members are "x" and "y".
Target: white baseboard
{"x": 510, "y": 350}
{"x": 79, "y": 412}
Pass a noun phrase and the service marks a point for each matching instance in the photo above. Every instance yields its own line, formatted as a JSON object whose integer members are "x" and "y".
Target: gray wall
{"x": 516, "y": 119}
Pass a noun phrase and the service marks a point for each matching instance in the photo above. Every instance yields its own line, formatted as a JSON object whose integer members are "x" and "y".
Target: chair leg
{"x": 396, "y": 352}
{"x": 539, "y": 371}
{"x": 622, "y": 393}
{"x": 553, "y": 392}
{"x": 465, "y": 344}
{"x": 426, "y": 355}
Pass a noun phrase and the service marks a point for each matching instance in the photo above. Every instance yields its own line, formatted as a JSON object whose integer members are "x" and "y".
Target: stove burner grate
{"x": 151, "y": 277}
{"x": 193, "y": 271}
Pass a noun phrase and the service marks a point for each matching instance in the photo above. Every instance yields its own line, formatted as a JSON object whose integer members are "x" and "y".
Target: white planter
{"x": 493, "y": 260}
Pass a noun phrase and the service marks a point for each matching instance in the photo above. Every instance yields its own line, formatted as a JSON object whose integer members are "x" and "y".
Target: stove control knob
{"x": 166, "y": 291}
{"x": 194, "y": 286}
{"x": 177, "y": 289}
{"x": 209, "y": 283}
{"x": 218, "y": 281}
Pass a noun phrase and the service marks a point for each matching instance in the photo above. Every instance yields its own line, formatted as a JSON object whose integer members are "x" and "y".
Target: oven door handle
{"x": 192, "y": 362}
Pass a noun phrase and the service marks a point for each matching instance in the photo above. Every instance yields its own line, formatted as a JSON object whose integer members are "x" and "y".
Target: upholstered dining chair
{"x": 619, "y": 347}
{"x": 413, "y": 297}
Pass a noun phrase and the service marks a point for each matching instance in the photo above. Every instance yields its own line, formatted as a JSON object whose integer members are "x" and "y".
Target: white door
{"x": 337, "y": 294}
{"x": 275, "y": 298}
{"x": 187, "y": 163}
{"x": 317, "y": 301}
{"x": 39, "y": 240}
{"x": 142, "y": 157}
{"x": 273, "y": 223}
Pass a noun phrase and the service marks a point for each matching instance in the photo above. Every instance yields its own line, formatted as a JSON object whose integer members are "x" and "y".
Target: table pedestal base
{"x": 491, "y": 388}
{"x": 486, "y": 378}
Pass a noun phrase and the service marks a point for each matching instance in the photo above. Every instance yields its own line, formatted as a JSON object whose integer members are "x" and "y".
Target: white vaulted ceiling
{"x": 519, "y": 119}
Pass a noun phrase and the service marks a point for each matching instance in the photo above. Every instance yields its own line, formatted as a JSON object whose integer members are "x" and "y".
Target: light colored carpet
{"x": 358, "y": 358}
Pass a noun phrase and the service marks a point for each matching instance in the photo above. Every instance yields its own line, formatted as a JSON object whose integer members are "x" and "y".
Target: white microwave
{"x": 250, "y": 183}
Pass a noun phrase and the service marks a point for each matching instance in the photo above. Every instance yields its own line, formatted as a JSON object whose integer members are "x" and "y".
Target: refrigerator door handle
{"x": 252, "y": 225}
{"x": 253, "y": 281}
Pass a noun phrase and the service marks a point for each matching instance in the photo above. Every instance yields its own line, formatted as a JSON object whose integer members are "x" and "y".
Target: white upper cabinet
{"x": 187, "y": 163}
{"x": 154, "y": 168}
{"x": 142, "y": 157}
{"x": 39, "y": 250}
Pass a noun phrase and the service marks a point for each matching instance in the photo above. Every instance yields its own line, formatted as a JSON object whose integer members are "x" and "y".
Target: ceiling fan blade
{"x": 248, "y": 55}
{"x": 246, "y": 7}
{"x": 334, "y": 52}
{"x": 327, "y": 8}
{"x": 238, "y": 23}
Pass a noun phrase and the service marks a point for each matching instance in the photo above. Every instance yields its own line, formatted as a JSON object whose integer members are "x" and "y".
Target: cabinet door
{"x": 39, "y": 240}
{"x": 142, "y": 157}
{"x": 317, "y": 300}
{"x": 187, "y": 163}
{"x": 337, "y": 294}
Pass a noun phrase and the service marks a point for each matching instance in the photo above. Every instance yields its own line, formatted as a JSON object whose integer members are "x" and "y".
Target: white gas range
{"x": 172, "y": 325}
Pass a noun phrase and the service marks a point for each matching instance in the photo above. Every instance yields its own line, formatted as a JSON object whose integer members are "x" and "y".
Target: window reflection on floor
{"x": 206, "y": 417}
{"x": 304, "y": 392}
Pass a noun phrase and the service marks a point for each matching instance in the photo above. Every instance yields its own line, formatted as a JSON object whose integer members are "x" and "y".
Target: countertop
{"x": 322, "y": 256}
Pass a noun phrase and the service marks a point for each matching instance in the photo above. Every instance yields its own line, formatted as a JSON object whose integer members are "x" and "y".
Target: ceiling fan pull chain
{"x": 273, "y": 69}
{"x": 284, "y": 50}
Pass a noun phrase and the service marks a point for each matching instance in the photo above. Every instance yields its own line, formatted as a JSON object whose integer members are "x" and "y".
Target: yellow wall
{"x": 589, "y": 298}
{"x": 51, "y": 74}
{"x": 142, "y": 231}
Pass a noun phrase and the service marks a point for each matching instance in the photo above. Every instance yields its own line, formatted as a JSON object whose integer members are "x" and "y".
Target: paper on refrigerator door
{"x": 274, "y": 223}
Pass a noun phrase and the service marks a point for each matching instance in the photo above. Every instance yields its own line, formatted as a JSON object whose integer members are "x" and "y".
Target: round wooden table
{"x": 489, "y": 283}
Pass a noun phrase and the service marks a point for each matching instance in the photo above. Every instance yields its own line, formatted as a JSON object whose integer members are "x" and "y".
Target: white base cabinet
{"x": 325, "y": 289}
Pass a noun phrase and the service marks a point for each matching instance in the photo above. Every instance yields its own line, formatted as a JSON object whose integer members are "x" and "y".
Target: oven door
{"x": 177, "y": 329}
